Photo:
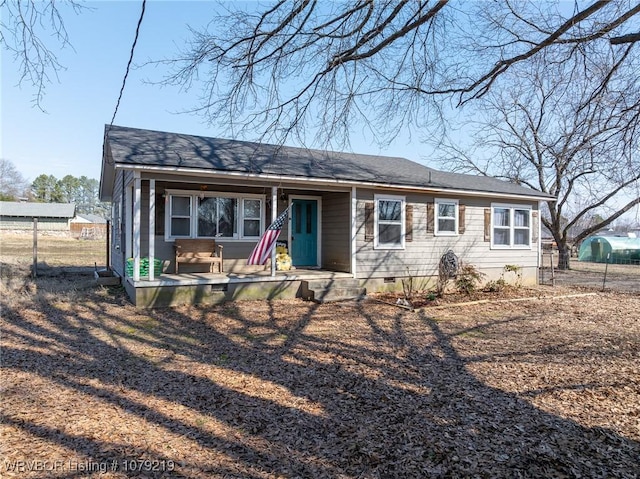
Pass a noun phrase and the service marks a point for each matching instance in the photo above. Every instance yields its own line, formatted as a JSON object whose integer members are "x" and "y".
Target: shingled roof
{"x": 37, "y": 210}
{"x": 133, "y": 147}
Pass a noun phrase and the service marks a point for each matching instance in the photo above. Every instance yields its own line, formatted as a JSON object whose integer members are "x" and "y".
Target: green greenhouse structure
{"x": 611, "y": 249}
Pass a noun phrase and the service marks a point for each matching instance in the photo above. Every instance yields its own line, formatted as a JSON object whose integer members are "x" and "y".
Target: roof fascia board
{"x": 324, "y": 181}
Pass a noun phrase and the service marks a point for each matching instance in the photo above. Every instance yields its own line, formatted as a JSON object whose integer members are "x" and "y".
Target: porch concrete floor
{"x": 188, "y": 279}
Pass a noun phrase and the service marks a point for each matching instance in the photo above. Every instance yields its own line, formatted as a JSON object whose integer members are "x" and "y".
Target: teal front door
{"x": 304, "y": 232}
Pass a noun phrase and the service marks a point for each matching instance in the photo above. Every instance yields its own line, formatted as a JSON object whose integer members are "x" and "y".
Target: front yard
{"x": 286, "y": 389}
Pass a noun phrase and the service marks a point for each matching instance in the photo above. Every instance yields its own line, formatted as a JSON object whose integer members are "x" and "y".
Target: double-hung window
{"x": 251, "y": 217}
{"x": 389, "y": 222}
{"x": 446, "y": 221}
{"x": 511, "y": 226}
{"x": 213, "y": 215}
{"x": 180, "y": 216}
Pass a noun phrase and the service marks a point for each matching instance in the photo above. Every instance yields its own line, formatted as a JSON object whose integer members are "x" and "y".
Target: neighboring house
{"x": 51, "y": 216}
{"x": 88, "y": 226}
{"x": 372, "y": 219}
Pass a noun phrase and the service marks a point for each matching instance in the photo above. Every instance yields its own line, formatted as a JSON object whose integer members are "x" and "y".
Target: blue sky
{"x": 67, "y": 139}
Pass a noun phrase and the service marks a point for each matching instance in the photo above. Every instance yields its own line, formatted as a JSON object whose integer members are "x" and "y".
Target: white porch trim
{"x": 354, "y": 230}
{"x": 137, "y": 183}
{"x": 152, "y": 228}
{"x": 274, "y": 215}
{"x": 313, "y": 183}
{"x": 128, "y": 230}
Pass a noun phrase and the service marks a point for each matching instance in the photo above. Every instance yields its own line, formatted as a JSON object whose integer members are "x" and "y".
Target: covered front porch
{"x": 206, "y": 288}
{"x": 157, "y": 210}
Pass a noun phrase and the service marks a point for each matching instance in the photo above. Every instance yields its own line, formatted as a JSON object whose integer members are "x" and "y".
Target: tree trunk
{"x": 564, "y": 256}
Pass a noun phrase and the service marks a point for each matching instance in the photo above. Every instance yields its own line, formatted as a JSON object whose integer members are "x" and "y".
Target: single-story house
{"x": 354, "y": 220}
{"x": 16, "y": 215}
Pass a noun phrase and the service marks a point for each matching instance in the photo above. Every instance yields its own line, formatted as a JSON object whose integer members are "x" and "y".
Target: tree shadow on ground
{"x": 276, "y": 389}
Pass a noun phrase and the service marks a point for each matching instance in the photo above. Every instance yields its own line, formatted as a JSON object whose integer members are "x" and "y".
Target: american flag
{"x": 262, "y": 251}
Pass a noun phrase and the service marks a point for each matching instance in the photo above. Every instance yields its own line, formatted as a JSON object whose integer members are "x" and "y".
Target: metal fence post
{"x": 34, "y": 270}
{"x": 606, "y": 267}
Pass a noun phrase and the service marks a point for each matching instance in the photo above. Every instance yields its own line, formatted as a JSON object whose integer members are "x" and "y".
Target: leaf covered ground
{"x": 92, "y": 387}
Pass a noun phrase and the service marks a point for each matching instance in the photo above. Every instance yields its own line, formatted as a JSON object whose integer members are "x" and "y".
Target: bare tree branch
{"x": 25, "y": 29}
{"x": 562, "y": 128}
{"x": 629, "y": 38}
{"x": 607, "y": 221}
{"x": 388, "y": 65}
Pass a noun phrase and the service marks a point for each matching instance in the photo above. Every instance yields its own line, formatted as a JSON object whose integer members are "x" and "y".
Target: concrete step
{"x": 340, "y": 295}
{"x": 322, "y": 291}
{"x": 330, "y": 283}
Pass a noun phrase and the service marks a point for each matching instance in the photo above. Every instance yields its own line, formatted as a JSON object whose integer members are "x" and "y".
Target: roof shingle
{"x": 37, "y": 210}
{"x": 138, "y": 147}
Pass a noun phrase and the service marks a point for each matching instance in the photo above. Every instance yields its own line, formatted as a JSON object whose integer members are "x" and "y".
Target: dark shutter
{"x": 430, "y": 217}
{"x": 408, "y": 223}
{"x": 368, "y": 221}
{"x": 461, "y": 219}
{"x": 487, "y": 224}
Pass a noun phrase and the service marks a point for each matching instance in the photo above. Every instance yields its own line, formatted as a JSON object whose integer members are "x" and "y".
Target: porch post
{"x": 136, "y": 225}
{"x": 152, "y": 228}
{"x": 354, "y": 230}
{"x": 128, "y": 222}
{"x": 274, "y": 215}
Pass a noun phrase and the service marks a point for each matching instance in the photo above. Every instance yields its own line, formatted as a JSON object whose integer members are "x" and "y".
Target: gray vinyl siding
{"x": 336, "y": 229}
{"x": 422, "y": 255}
{"x": 335, "y": 220}
{"x": 419, "y": 258}
{"x": 235, "y": 252}
{"x": 118, "y": 225}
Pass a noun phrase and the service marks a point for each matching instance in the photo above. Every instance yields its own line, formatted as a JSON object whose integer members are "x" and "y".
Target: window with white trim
{"x": 217, "y": 217}
{"x": 511, "y": 226}
{"x": 180, "y": 216}
{"x": 389, "y": 222}
{"x": 213, "y": 215}
{"x": 251, "y": 217}
{"x": 446, "y": 221}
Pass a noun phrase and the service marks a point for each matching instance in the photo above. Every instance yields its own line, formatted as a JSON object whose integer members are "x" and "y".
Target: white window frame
{"x": 242, "y": 218}
{"x": 170, "y": 216}
{"x": 511, "y": 228}
{"x": 376, "y": 243}
{"x": 196, "y": 205}
{"x": 193, "y": 217}
{"x": 436, "y": 226}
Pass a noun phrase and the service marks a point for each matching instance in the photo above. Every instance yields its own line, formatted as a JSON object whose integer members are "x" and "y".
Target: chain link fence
{"x": 602, "y": 276}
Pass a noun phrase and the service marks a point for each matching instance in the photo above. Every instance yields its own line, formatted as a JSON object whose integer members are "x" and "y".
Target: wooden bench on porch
{"x": 198, "y": 251}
